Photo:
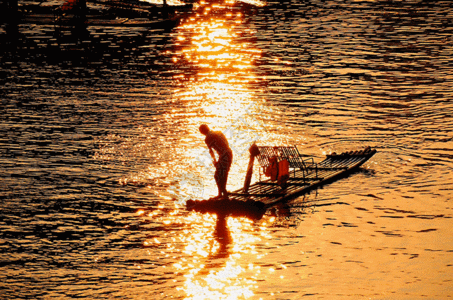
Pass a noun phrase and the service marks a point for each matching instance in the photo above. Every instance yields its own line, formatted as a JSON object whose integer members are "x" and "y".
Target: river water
{"x": 100, "y": 149}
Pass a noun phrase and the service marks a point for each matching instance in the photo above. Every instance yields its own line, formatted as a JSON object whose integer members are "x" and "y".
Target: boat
{"x": 104, "y": 14}
{"x": 292, "y": 175}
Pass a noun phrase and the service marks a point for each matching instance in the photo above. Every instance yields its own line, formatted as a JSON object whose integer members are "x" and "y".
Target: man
{"x": 215, "y": 140}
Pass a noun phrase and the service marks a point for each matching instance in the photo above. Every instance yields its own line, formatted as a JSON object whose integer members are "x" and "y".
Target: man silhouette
{"x": 216, "y": 140}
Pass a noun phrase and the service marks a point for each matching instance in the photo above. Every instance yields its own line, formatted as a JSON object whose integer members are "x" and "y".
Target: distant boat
{"x": 111, "y": 14}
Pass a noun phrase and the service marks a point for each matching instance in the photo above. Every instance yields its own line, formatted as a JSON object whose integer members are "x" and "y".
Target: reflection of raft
{"x": 304, "y": 175}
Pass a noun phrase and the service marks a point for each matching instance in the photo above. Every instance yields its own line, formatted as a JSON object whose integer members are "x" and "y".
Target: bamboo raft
{"x": 304, "y": 175}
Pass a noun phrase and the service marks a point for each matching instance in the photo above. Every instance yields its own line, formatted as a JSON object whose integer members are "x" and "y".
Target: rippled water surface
{"x": 100, "y": 149}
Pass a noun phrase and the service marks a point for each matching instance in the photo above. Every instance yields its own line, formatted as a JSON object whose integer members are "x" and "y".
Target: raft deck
{"x": 304, "y": 180}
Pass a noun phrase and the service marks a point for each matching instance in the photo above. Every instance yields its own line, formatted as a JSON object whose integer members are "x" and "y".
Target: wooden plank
{"x": 305, "y": 179}
{"x": 255, "y": 195}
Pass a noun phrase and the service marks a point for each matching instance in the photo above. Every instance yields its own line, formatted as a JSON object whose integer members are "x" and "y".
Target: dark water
{"x": 100, "y": 149}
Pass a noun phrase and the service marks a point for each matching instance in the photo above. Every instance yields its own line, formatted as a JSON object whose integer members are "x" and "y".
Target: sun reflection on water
{"x": 208, "y": 42}
{"x": 212, "y": 254}
{"x": 234, "y": 278}
{"x": 217, "y": 94}
{"x": 213, "y": 45}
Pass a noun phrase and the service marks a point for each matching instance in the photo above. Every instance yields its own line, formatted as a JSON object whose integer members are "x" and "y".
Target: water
{"x": 100, "y": 147}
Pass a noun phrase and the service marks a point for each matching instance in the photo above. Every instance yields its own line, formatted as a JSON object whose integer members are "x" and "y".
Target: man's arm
{"x": 212, "y": 155}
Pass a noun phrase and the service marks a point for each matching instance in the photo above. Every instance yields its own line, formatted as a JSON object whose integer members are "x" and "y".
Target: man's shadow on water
{"x": 253, "y": 210}
{"x": 222, "y": 235}
{"x": 217, "y": 256}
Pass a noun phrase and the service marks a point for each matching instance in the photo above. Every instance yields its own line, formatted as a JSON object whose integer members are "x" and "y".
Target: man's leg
{"x": 218, "y": 179}
{"x": 225, "y": 168}
{"x": 224, "y": 179}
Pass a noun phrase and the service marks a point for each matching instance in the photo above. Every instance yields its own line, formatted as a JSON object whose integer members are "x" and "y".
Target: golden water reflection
{"x": 213, "y": 256}
{"x": 219, "y": 275}
{"x": 208, "y": 42}
{"x": 213, "y": 44}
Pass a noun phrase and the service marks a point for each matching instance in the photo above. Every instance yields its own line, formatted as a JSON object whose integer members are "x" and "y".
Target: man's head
{"x": 204, "y": 129}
